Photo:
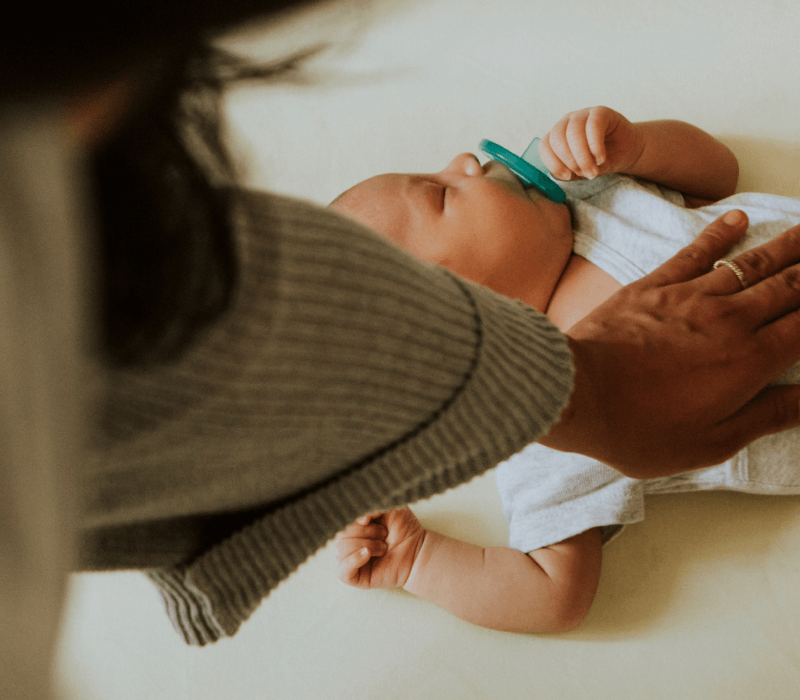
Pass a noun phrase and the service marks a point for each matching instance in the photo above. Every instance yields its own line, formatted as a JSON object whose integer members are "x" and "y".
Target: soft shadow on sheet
{"x": 658, "y": 564}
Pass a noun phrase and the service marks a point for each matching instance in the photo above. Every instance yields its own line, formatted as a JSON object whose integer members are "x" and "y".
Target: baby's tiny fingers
{"x": 560, "y": 143}
{"x": 364, "y": 519}
{"x": 349, "y": 532}
{"x": 346, "y": 547}
{"x": 596, "y": 133}
{"x": 580, "y": 148}
{"x": 374, "y": 531}
{"x": 349, "y": 568}
{"x": 357, "y": 559}
{"x": 554, "y": 164}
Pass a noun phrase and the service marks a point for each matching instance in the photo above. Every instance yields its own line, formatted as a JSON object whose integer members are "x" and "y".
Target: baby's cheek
{"x": 466, "y": 260}
{"x": 501, "y": 265}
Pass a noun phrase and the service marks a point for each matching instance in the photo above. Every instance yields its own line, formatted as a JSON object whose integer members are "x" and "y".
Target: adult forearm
{"x": 364, "y": 378}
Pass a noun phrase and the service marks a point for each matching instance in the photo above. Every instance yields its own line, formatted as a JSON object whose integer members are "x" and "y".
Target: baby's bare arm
{"x": 599, "y": 140}
{"x": 687, "y": 159}
{"x": 548, "y": 590}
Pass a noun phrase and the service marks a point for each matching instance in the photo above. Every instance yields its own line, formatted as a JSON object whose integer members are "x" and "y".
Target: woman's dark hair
{"x": 75, "y": 44}
{"x": 166, "y": 195}
{"x": 167, "y": 257}
{"x": 164, "y": 183}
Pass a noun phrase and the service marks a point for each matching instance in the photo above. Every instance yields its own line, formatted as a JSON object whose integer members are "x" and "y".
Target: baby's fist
{"x": 379, "y": 551}
{"x": 591, "y": 142}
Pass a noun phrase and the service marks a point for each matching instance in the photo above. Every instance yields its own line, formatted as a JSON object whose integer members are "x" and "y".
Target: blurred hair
{"x": 166, "y": 257}
{"x": 67, "y": 46}
{"x": 165, "y": 186}
{"x": 166, "y": 194}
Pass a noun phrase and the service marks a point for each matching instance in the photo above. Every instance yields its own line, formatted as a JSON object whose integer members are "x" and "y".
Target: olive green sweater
{"x": 347, "y": 377}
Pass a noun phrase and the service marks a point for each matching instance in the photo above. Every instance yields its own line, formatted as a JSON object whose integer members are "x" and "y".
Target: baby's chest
{"x": 582, "y": 287}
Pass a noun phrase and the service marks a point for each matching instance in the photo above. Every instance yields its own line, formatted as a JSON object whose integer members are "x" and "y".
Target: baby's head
{"x": 477, "y": 221}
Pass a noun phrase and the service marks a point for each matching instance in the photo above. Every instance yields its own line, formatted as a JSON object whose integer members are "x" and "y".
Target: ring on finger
{"x": 734, "y": 268}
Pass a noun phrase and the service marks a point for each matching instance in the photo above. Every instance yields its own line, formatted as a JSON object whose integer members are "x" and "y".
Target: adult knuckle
{"x": 790, "y": 279}
{"x": 713, "y": 240}
{"x": 712, "y": 235}
{"x": 791, "y": 237}
{"x": 691, "y": 254}
{"x": 717, "y": 310}
{"x": 757, "y": 263}
{"x": 779, "y": 411}
{"x": 783, "y": 412}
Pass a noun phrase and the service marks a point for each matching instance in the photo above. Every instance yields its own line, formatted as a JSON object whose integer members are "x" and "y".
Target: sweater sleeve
{"x": 347, "y": 377}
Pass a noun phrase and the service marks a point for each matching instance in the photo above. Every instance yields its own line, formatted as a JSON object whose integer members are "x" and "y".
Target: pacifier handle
{"x": 530, "y": 168}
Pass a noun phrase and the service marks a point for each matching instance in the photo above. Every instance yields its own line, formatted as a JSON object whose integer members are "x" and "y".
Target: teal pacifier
{"x": 529, "y": 168}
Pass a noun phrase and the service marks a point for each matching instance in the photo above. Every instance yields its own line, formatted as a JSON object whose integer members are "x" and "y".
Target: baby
{"x": 636, "y": 193}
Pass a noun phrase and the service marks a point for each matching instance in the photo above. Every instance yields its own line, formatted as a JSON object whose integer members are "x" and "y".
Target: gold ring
{"x": 734, "y": 268}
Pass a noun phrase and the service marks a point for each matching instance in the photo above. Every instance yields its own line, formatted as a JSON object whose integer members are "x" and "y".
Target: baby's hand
{"x": 378, "y": 551}
{"x": 589, "y": 143}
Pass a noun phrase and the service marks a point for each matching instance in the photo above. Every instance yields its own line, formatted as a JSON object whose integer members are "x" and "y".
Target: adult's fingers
{"x": 774, "y": 409}
{"x": 697, "y": 258}
{"x": 771, "y": 287}
{"x": 766, "y": 260}
{"x": 765, "y": 306}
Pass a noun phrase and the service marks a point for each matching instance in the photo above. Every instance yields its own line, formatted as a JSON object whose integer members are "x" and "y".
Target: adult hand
{"x": 671, "y": 371}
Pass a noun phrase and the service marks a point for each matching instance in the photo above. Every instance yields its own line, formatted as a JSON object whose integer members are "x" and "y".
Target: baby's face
{"x": 477, "y": 221}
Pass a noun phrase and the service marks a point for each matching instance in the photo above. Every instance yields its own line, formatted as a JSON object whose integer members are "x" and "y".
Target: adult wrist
{"x": 575, "y": 429}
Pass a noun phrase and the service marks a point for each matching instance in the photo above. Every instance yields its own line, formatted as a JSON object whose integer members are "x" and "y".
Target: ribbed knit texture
{"x": 347, "y": 378}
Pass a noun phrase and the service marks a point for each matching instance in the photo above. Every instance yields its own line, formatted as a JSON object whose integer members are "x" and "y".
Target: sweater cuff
{"x": 518, "y": 384}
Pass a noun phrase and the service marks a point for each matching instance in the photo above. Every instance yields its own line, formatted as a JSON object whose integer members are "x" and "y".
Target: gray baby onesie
{"x": 628, "y": 227}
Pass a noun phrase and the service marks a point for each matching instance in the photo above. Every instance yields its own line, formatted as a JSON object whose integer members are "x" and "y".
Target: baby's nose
{"x": 465, "y": 164}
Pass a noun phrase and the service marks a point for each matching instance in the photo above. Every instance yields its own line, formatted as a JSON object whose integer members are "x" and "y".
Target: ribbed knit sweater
{"x": 346, "y": 377}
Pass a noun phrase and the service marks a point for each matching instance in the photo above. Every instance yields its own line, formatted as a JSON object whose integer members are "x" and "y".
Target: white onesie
{"x": 628, "y": 227}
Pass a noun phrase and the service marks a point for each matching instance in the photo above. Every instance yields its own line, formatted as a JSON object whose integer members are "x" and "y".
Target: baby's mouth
{"x": 533, "y": 192}
{"x": 497, "y": 170}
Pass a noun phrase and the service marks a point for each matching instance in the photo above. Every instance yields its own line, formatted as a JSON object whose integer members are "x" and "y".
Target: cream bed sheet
{"x": 702, "y": 599}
